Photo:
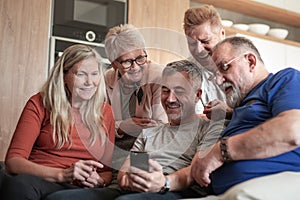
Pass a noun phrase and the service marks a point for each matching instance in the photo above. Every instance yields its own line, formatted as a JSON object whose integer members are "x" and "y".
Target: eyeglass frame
{"x": 224, "y": 67}
{"x": 133, "y": 60}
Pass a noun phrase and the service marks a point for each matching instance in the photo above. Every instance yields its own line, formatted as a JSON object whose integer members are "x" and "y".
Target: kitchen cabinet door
{"x": 290, "y": 5}
{"x": 161, "y": 24}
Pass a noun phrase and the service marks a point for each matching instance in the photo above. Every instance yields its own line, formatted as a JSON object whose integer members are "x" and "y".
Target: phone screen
{"x": 140, "y": 160}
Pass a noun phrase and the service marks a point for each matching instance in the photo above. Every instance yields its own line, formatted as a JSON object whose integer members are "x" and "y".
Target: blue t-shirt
{"x": 277, "y": 93}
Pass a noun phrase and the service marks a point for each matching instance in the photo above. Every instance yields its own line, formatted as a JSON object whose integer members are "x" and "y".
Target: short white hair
{"x": 121, "y": 40}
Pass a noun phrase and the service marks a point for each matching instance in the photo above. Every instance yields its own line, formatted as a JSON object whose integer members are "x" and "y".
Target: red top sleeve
{"x": 33, "y": 139}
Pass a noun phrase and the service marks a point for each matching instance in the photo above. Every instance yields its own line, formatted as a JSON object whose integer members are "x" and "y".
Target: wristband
{"x": 224, "y": 150}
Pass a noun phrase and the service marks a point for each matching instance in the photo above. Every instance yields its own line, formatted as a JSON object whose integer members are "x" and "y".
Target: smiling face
{"x": 134, "y": 73}
{"x": 203, "y": 38}
{"x": 179, "y": 98}
{"x": 82, "y": 80}
{"x": 236, "y": 78}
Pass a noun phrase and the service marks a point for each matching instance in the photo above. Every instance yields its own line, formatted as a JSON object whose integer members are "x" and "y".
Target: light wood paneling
{"x": 161, "y": 22}
{"x": 24, "y": 33}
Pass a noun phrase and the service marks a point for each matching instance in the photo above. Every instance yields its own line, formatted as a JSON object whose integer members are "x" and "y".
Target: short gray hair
{"x": 240, "y": 44}
{"x": 121, "y": 40}
{"x": 193, "y": 71}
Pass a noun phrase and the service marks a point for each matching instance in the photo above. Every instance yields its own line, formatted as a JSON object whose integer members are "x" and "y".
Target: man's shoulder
{"x": 283, "y": 77}
{"x": 287, "y": 72}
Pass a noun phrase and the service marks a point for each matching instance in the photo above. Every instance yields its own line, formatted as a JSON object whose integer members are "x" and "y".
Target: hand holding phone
{"x": 139, "y": 160}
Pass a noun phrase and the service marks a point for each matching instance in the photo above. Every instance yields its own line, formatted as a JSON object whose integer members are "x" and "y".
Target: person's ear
{"x": 252, "y": 60}
{"x": 198, "y": 95}
{"x": 114, "y": 65}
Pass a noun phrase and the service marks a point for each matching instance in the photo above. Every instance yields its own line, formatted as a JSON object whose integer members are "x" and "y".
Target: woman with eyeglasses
{"x": 65, "y": 136}
{"x": 133, "y": 87}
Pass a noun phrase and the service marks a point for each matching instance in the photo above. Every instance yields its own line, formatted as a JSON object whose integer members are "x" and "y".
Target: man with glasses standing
{"x": 133, "y": 87}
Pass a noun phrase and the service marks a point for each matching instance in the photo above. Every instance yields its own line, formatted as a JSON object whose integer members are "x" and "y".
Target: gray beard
{"x": 235, "y": 99}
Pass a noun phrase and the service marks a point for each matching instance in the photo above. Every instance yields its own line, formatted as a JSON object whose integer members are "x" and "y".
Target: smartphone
{"x": 140, "y": 160}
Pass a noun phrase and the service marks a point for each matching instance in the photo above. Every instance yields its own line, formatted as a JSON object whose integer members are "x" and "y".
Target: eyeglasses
{"x": 140, "y": 60}
{"x": 223, "y": 67}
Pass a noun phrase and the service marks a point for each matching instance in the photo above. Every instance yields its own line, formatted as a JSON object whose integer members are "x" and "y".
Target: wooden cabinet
{"x": 258, "y": 10}
{"x": 254, "y": 9}
{"x": 276, "y": 53}
{"x": 24, "y": 33}
{"x": 161, "y": 22}
{"x": 290, "y": 5}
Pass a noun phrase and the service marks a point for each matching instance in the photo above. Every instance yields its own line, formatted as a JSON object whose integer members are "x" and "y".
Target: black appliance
{"x": 59, "y": 44}
{"x": 87, "y": 20}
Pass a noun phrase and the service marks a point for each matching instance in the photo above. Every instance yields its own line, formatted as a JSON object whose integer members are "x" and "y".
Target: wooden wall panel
{"x": 24, "y": 33}
{"x": 161, "y": 22}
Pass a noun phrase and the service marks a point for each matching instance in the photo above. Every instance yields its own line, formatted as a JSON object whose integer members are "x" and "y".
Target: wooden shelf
{"x": 232, "y": 31}
{"x": 257, "y": 9}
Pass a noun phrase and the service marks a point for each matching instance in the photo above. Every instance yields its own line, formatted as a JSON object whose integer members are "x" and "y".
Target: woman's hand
{"x": 95, "y": 180}
{"x": 83, "y": 172}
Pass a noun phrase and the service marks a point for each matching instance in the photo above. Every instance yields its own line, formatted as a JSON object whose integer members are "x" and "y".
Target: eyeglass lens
{"x": 140, "y": 60}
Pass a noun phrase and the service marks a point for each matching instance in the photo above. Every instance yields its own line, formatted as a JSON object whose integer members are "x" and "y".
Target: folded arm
{"x": 274, "y": 137}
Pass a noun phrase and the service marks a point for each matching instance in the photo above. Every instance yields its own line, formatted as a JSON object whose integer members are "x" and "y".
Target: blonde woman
{"x": 65, "y": 135}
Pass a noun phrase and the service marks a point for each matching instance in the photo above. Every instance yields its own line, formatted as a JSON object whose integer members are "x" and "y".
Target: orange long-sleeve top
{"x": 33, "y": 138}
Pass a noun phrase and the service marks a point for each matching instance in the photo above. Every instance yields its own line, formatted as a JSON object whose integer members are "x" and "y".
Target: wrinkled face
{"x": 179, "y": 98}
{"x": 203, "y": 38}
{"x": 133, "y": 73}
{"x": 82, "y": 80}
{"x": 234, "y": 73}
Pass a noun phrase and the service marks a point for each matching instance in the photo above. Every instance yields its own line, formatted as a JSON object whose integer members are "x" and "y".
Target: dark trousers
{"x": 108, "y": 194}
{"x": 85, "y": 194}
{"x": 195, "y": 191}
{"x": 3, "y": 177}
{"x": 25, "y": 186}
{"x": 150, "y": 196}
{"x": 113, "y": 192}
